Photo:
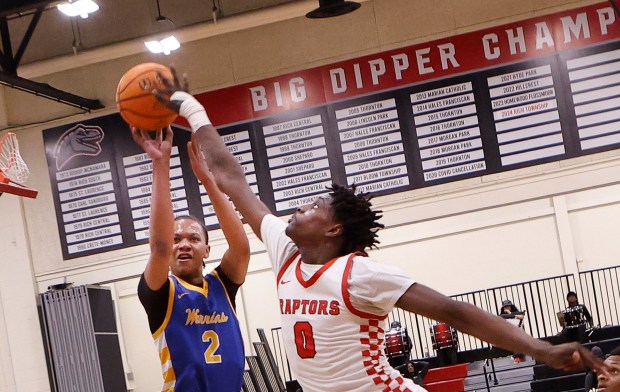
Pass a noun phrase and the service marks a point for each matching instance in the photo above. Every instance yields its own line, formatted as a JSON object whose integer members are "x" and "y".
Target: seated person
{"x": 514, "y": 316}
{"x": 511, "y": 313}
{"x": 609, "y": 381}
{"x": 576, "y": 313}
{"x": 574, "y": 320}
{"x": 415, "y": 370}
{"x": 397, "y": 344}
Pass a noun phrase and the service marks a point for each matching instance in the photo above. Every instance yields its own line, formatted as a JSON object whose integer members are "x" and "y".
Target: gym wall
{"x": 509, "y": 227}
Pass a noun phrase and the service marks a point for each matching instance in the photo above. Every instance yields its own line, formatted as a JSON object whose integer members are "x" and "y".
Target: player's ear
{"x": 335, "y": 230}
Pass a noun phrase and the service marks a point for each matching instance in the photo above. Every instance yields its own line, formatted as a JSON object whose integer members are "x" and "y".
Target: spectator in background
{"x": 582, "y": 311}
{"x": 514, "y": 316}
{"x": 591, "y": 383}
{"x": 575, "y": 320}
{"x": 416, "y": 371}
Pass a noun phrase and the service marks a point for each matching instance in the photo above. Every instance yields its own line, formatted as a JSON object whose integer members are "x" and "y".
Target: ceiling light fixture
{"x": 164, "y": 46}
{"x": 78, "y": 7}
{"x": 167, "y": 44}
{"x": 329, "y": 8}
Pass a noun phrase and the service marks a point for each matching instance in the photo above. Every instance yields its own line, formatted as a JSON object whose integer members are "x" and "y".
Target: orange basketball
{"x": 135, "y": 100}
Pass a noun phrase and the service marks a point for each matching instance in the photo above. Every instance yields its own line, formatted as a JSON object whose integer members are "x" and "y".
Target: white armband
{"x": 192, "y": 110}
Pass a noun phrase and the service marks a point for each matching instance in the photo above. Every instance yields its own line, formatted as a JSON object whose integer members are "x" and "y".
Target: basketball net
{"x": 12, "y": 166}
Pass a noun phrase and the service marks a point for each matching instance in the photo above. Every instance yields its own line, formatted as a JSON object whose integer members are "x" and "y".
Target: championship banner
{"x": 511, "y": 96}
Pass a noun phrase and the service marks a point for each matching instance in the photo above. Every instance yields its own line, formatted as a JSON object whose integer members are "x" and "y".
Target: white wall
{"x": 20, "y": 335}
{"x": 483, "y": 232}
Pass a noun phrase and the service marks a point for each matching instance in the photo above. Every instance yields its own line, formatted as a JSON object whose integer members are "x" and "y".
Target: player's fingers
{"x": 175, "y": 77}
{"x": 135, "y": 134}
{"x": 192, "y": 156}
{"x": 169, "y": 134}
{"x": 167, "y": 82}
{"x": 199, "y": 154}
{"x": 590, "y": 360}
{"x": 163, "y": 96}
{"x": 185, "y": 85}
{"x": 190, "y": 151}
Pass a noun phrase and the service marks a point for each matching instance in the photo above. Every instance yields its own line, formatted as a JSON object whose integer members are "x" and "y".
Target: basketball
{"x": 135, "y": 100}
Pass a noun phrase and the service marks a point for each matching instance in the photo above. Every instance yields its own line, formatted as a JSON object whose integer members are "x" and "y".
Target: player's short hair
{"x": 204, "y": 228}
{"x": 571, "y": 293}
{"x": 360, "y": 222}
{"x": 615, "y": 351}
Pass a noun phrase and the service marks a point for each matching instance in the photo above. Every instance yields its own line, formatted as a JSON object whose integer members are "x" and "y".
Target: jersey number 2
{"x": 211, "y": 337}
{"x": 304, "y": 339}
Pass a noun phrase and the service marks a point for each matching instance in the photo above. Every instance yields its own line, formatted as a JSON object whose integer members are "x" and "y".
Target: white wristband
{"x": 192, "y": 110}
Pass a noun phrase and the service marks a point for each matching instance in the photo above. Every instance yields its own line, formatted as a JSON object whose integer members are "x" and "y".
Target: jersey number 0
{"x": 304, "y": 339}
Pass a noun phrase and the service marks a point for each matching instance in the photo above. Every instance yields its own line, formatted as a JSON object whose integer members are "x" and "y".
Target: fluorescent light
{"x": 78, "y": 7}
{"x": 164, "y": 46}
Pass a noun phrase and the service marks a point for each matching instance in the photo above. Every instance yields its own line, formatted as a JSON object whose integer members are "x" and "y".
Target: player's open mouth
{"x": 184, "y": 256}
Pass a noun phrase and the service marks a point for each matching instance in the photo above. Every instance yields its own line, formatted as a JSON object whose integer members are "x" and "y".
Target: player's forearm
{"x": 230, "y": 177}
{"x": 236, "y": 259}
{"x": 161, "y": 225}
{"x": 225, "y": 167}
{"x": 470, "y": 319}
{"x": 474, "y": 321}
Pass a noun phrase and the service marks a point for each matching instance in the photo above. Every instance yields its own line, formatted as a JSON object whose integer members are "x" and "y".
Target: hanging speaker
{"x": 329, "y": 8}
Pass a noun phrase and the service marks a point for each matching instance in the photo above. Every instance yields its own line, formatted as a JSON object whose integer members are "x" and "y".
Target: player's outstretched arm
{"x": 225, "y": 167}
{"x": 161, "y": 225}
{"x": 474, "y": 321}
{"x": 236, "y": 259}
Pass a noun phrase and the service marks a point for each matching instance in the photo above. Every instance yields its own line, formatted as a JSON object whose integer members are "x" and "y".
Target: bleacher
{"x": 503, "y": 375}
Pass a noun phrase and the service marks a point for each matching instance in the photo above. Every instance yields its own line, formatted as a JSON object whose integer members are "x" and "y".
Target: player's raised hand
{"x": 175, "y": 96}
{"x": 158, "y": 148}
{"x": 171, "y": 86}
{"x": 572, "y": 356}
{"x": 199, "y": 165}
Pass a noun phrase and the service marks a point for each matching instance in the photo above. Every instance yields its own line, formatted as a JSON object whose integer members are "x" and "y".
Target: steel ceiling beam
{"x": 16, "y": 7}
{"x": 46, "y": 91}
{"x": 10, "y": 61}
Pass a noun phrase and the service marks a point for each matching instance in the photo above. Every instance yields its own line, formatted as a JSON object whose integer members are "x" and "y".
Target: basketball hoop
{"x": 13, "y": 170}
